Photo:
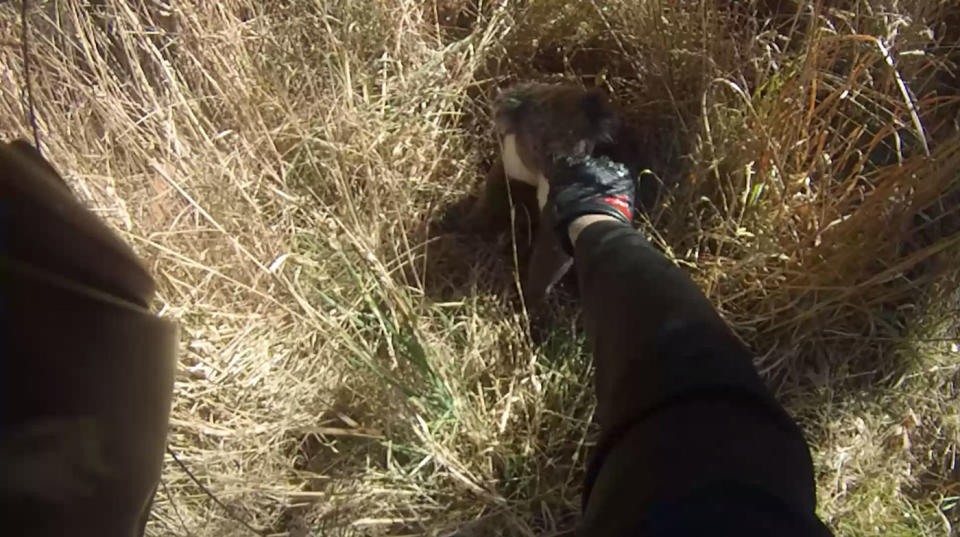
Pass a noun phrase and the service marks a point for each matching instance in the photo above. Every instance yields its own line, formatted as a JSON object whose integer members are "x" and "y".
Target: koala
{"x": 535, "y": 123}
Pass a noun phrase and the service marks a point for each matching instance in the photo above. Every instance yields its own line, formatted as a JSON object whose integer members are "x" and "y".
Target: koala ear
{"x": 601, "y": 114}
{"x": 508, "y": 109}
{"x": 510, "y": 99}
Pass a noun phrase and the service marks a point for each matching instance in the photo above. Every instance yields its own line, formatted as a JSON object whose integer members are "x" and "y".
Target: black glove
{"x": 589, "y": 185}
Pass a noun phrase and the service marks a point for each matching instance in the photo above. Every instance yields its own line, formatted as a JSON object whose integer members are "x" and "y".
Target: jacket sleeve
{"x": 691, "y": 441}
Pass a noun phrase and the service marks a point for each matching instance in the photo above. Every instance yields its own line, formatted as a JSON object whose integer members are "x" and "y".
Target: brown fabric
{"x": 44, "y": 226}
{"x": 86, "y": 371}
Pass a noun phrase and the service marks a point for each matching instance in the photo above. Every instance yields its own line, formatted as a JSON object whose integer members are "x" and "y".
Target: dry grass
{"x": 348, "y": 367}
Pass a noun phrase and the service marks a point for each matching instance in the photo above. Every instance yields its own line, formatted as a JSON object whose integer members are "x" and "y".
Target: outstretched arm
{"x": 691, "y": 441}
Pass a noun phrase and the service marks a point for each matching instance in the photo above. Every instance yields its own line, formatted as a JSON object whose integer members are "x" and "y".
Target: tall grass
{"x": 352, "y": 365}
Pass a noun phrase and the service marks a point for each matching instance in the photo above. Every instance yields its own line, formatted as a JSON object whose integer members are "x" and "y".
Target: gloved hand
{"x": 589, "y": 185}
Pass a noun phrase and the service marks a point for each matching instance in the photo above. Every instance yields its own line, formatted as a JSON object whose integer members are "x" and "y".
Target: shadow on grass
{"x": 458, "y": 262}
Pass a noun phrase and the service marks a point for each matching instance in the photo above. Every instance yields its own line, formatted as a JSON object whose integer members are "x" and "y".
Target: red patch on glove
{"x": 620, "y": 203}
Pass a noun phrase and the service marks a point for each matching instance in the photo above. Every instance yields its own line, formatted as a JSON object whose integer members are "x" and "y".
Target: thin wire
{"x": 216, "y": 500}
{"x": 176, "y": 510}
{"x": 25, "y": 50}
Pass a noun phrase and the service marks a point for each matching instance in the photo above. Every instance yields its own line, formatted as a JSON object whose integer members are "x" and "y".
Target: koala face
{"x": 549, "y": 120}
